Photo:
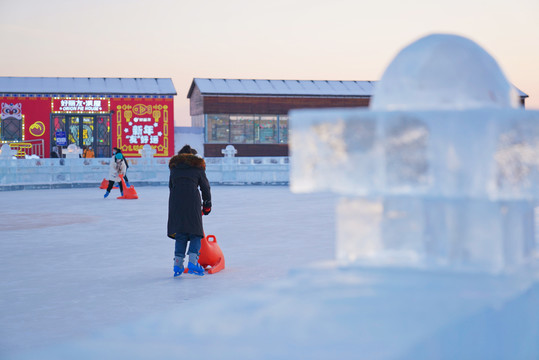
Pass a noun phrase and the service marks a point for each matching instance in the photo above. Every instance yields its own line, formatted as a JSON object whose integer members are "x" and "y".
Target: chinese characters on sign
{"x": 143, "y": 131}
{"x": 80, "y": 105}
{"x": 143, "y": 124}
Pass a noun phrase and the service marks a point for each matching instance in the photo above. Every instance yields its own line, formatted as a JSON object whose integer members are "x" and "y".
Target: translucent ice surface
{"x": 443, "y": 71}
{"x": 487, "y": 154}
{"x": 442, "y": 170}
{"x": 451, "y": 188}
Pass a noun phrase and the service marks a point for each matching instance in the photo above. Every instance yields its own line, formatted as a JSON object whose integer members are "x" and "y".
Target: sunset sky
{"x": 251, "y": 39}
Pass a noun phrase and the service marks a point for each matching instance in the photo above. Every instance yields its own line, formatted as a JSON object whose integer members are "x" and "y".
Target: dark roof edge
{"x": 286, "y": 95}
{"x": 191, "y": 88}
{"x": 85, "y": 93}
{"x": 172, "y": 88}
{"x": 521, "y": 93}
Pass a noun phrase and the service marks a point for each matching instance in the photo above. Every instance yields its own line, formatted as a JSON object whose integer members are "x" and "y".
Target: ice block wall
{"x": 480, "y": 154}
{"x": 445, "y": 175}
{"x": 424, "y": 188}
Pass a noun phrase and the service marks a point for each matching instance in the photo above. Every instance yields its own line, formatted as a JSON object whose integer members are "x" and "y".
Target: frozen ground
{"x": 88, "y": 278}
{"x": 73, "y": 262}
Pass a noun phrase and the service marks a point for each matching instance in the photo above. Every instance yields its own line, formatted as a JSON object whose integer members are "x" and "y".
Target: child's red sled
{"x": 129, "y": 192}
{"x": 211, "y": 257}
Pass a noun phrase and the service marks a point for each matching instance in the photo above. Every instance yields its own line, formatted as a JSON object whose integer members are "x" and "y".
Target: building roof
{"x": 254, "y": 87}
{"x": 282, "y": 87}
{"x": 67, "y": 85}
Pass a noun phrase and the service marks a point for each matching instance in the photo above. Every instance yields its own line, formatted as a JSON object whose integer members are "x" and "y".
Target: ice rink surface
{"x": 72, "y": 262}
{"x": 87, "y": 278}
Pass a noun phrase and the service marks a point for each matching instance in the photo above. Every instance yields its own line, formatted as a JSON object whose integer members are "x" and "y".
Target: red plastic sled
{"x": 129, "y": 192}
{"x": 211, "y": 256}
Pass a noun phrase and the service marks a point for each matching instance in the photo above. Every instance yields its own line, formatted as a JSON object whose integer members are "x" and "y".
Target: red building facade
{"x": 42, "y": 114}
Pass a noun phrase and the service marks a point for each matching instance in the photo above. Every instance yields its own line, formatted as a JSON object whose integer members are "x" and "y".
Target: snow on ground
{"x": 88, "y": 278}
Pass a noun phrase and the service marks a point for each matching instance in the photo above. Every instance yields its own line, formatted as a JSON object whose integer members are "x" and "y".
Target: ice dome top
{"x": 443, "y": 72}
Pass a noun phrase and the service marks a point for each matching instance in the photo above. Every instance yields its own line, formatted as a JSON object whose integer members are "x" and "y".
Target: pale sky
{"x": 251, "y": 39}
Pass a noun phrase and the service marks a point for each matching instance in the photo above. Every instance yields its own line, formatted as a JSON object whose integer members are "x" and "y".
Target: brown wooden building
{"x": 252, "y": 115}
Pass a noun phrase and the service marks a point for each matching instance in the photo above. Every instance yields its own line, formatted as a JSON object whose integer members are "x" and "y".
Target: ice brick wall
{"x": 490, "y": 154}
{"x": 443, "y": 188}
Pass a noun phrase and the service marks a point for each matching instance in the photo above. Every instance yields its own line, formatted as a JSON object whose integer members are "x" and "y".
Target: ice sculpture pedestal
{"x": 434, "y": 233}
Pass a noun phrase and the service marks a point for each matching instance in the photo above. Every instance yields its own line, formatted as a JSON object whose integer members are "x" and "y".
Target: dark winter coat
{"x": 187, "y": 174}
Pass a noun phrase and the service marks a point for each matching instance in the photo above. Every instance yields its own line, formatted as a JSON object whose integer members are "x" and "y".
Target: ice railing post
{"x": 73, "y": 152}
{"x": 441, "y": 171}
{"x": 229, "y": 152}
{"x": 6, "y": 152}
{"x": 147, "y": 152}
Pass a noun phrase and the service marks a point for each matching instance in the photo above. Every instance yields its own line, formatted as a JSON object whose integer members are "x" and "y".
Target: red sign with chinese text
{"x": 140, "y": 122}
{"x": 134, "y": 122}
{"x": 80, "y": 105}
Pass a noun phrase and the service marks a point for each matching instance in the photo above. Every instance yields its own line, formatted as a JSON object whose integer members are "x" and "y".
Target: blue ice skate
{"x": 178, "y": 271}
{"x": 106, "y": 194}
{"x": 195, "y": 269}
{"x": 178, "y": 266}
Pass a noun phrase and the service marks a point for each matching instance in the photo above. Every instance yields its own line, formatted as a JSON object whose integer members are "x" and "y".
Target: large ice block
{"x": 483, "y": 154}
{"x": 447, "y": 188}
{"x": 442, "y": 170}
{"x": 443, "y": 72}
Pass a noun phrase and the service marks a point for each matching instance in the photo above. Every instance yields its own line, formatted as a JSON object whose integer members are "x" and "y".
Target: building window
{"x": 242, "y": 129}
{"x": 246, "y": 129}
{"x": 11, "y": 130}
{"x": 217, "y": 129}
{"x": 11, "y": 122}
{"x": 102, "y": 147}
{"x": 266, "y": 129}
{"x": 58, "y": 124}
{"x": 283, "y": 129}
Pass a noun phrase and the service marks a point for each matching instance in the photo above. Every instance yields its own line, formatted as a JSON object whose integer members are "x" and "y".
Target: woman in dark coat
{"x": 187, "y": 175}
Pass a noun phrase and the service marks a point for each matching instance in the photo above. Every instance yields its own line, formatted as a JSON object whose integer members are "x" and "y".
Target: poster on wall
{"x": 144, "y": 122}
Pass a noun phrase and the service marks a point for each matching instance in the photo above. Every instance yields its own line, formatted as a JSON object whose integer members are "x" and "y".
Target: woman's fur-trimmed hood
{"x": 187, "y": 159}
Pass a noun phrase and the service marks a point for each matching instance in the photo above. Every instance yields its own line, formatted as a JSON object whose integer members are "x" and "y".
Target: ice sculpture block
{"x": 442, "y": 170}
